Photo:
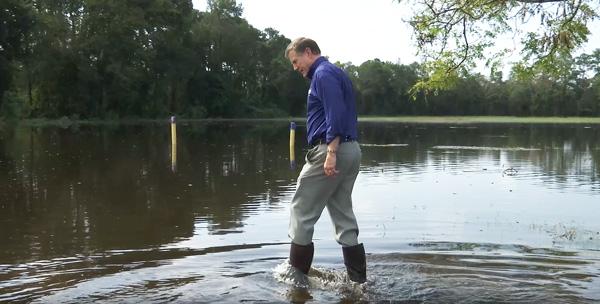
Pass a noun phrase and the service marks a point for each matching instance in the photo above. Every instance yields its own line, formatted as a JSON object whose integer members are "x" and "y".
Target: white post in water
{"x": 173, "y": 144}
{"x": 292, "y": 145}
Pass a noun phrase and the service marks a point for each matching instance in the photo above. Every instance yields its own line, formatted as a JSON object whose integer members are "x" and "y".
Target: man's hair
{"x": 300, "y": 44}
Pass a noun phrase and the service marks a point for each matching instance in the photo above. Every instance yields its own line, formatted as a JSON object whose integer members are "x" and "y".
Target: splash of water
{"x": 318, "y": 279}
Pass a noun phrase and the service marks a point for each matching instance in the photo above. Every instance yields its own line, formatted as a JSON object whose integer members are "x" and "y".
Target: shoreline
{"x": 65, "y": 122}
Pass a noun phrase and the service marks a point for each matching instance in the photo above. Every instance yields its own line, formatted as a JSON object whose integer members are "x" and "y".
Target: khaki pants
{"x": 315, "y": 191}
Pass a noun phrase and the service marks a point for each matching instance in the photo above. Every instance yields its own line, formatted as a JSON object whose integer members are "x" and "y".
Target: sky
{"x": 353, "y": 30}
{"x": 346, "y": 30}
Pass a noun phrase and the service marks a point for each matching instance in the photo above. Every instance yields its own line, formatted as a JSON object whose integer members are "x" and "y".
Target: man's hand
{"x": 331, "y": 157}
{"x": 329, "y": 165}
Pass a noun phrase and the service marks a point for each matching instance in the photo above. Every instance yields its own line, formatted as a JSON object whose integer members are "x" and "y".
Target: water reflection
{"x": 92, "y": 207}
{"x": 70, "y": 191}
{"x": 564, "y": 156}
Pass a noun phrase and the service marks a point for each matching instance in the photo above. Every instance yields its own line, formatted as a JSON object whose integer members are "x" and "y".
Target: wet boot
{"x": 301, "y": 256}
{"x": 356, "y": 263}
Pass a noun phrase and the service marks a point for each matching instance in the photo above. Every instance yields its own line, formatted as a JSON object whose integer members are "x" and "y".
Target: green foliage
{"x": 118, "y": 59}
{"x": 384, "y": 88}
{"x": 228, "y": 8}
{"x": 113, "y": 59}
{"x": 454, "y": 34}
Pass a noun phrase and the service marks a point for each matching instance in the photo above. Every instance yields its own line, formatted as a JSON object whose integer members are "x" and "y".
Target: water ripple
{"x": 480, "y": 148}
{"x": 39, "y": 278}
{"x": 448, "y": 274}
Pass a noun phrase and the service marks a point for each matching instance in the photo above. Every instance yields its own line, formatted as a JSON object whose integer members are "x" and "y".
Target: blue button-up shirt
{"x": 331, "y": 109}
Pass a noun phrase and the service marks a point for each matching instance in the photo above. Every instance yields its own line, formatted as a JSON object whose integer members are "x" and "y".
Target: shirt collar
{"x": 314, "y": 66}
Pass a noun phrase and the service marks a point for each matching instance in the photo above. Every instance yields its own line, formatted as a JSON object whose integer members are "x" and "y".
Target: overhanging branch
{"x": 540, "y": 1}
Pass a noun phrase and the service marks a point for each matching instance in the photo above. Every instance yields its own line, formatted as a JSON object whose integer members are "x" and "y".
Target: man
{"x": 332, "y": 162}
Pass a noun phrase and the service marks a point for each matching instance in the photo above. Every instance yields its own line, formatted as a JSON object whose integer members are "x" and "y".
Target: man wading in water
{"x": 332, "y": 162}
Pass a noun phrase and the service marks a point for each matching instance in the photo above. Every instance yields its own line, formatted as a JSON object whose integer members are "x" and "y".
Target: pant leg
{"x": 339, "y": 205}
{"x": 314, "y": 189}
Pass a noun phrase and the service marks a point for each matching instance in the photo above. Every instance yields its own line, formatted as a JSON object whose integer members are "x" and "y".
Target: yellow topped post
{"x": 173, "y": 144}
{"x": 292, "y": 145}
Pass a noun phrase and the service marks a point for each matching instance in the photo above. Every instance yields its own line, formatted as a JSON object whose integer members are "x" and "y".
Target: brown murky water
{"x": 448, "y": 213}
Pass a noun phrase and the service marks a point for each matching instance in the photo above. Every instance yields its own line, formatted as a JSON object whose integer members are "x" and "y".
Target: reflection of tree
{"x": 231, "y": 163}
{"x": 568, "y": 152}
{"x": 74, "y": 191}
{"x": 561, "y": 152}
{"x": 100, "y": 188}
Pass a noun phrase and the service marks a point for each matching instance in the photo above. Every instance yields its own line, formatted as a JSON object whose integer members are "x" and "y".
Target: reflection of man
{"x": 332, "y": 163}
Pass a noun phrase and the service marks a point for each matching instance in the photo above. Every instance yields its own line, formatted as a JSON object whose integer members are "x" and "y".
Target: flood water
{"x": 448, "y": 214}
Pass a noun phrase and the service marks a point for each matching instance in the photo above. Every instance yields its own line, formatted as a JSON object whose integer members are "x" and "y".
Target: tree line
{"x": 385, "y": 88}
{"x": 111, "y": 59}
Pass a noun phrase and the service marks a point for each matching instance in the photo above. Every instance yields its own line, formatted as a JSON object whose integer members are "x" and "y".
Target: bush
{"x": 270, "y": 112}
{"x": 195, "y": 112}
{"x": 12, "y": 105}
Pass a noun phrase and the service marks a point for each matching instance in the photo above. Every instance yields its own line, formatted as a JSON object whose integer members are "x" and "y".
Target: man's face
{"x": 301, "y": 61}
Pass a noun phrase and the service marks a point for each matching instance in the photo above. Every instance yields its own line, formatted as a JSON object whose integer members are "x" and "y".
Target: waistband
{"x": 322, "y": 141}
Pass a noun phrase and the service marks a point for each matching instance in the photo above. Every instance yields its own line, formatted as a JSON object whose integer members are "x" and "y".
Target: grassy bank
{"x": 64, "y": 122}
{"x": 481, "y": 119}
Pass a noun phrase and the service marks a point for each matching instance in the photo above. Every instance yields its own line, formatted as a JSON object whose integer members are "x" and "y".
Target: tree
{"x": 589, "y": 62}
{"x": 232, "y": 48}
{"x": 279, "y": 85}
{"x": 153, "y": 58}
{"x": 16, "y": 22}
{"x": 453, "y": 35}
{"x": 229, "y": 8}
{"x": 374, "y": 84}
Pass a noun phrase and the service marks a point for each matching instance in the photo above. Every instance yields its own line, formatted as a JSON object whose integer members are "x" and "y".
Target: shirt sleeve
{"x": 330, "y": 92}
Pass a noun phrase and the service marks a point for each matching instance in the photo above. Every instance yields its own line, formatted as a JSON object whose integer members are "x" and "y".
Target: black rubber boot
{"x": 356, "y": 263}
{"x": 301, "y": 256}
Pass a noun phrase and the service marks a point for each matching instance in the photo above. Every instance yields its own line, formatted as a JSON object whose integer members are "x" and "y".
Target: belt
{"x": 321, "y": 141}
